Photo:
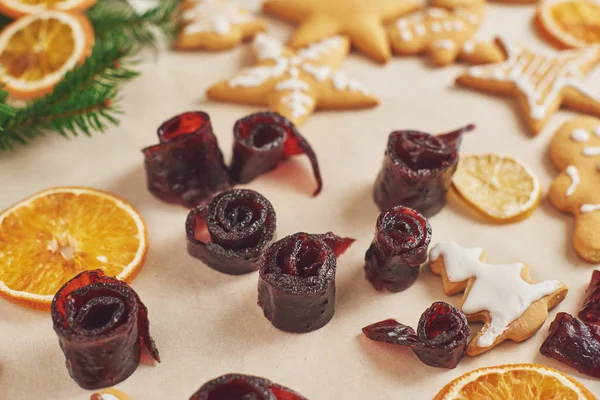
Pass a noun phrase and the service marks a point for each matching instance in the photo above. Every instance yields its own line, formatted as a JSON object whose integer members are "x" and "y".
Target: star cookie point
{"x": 539, "y": 81}
{"x": 362, "y": 20}
{"x": 294, "y": 83}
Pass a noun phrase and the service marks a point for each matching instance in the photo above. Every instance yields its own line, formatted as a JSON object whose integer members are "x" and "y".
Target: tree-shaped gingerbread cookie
{"x": 502, "y": 296}
{"x": 575, "y": 150}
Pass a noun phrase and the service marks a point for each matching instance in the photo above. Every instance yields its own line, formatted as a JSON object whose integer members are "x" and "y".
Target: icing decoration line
{"x": 591, "y": 151}
{"x": 580, "y": 135}
{"x": 574, "y": 175}
{"x": 588, "y": 208}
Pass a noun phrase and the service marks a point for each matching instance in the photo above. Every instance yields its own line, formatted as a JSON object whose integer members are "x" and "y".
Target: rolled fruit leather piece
{"x": 296, "y": 285}
{"x": 102, "y": 328}
{"x": 417, "y": 170}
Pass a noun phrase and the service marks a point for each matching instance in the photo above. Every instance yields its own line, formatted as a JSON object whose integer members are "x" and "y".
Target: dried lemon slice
{"x": 20, "y": 8}
{"x": 498, "y": 186}
{"x": 37, "y": 51}
{"x": 514, "y": 381}
{"x": 49, "y": 238}
{"x": 573, "y": 23}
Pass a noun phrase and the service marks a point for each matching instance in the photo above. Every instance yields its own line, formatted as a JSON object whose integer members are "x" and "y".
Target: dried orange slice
{"x": 20, "y": 8}
{"x": 514, "y": 381}
{"x": 110, "y": 394}
{"x": 36, "y": 51}
{"x": 573, "y": 23}
{"x": 52, "y": 236}
{"x": 499, "y": 187}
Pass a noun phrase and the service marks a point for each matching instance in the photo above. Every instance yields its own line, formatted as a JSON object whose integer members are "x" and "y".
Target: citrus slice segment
{"x": 36, "y": 51}
{"x": 20, "y": 8}
{"x": 514, "y": 381}
{"x": 573, "y": 23}
{"x": 49, "y": 238}
{"x": 499, "y": 187}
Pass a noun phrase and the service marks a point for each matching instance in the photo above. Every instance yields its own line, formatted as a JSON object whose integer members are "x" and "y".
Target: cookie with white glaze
{"x": 215, "y": 25}
{"x": 502, "y": 296}
{"x": 294, "y": 83}
{"x": 575, "y": 151}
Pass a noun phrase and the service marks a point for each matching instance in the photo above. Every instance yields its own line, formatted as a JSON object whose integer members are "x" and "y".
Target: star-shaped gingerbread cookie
{"x": 296, "y": 82}
{"x": 443, "y": 33}
{"x": 503, "y": 296}
{"x": 361, "y": 20}
{"x": 575, "y": 151}
{"x": 215, "y": 25}
{"x": 540, "y": 82}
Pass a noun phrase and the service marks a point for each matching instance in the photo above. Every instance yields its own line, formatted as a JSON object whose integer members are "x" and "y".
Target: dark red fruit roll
{"x": 102, "y": 327}
{"x": 244, "y": 387}
{"x": 187, "y": 166}
{"x": 231, "y": 233}
{"x": 296, "y": 285}
{"x": 262, "y": 141}
{"x": 441, "y": 338}
{"x": 402, "y": 237}
{"x": 417, "y": 170}
{"x": 576, "y": 341}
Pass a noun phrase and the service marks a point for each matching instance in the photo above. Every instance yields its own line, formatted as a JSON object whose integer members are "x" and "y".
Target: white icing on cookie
{"x": 444, "y": 44}
{"x": 469, "y": 46}
{"x": 588, "y": 208}
{"x": 256, "y": 76}
{"x": 316, "y": 50}
{"x": 436, "y": 12}
{"x": 541, "y": 78}
{"x": 420, "y": 29}
{"x": 292, "y": 84}
{"x": 266, "y": 47}
{"x": 497, "y": 289}
{"x": 341, "y": 82}
{"x": 591, "y": 151}
{"x": 597, "y": 131}
{"x": 580, "y": 135}
{"x": 298, "y": 103}
{"x": 574, "y": 175}
{"x": 214, "y": 16}
{"x": 320, "y": 73}
{"x": 436, "y": 27}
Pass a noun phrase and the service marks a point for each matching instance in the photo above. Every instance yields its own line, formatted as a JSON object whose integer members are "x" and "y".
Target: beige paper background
{"x": 206, "y": 324}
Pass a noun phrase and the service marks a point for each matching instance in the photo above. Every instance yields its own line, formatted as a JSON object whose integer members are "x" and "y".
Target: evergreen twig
{"x": 85, "y": 100}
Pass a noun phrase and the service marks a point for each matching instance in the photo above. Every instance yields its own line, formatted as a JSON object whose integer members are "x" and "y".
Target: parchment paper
{"x": 207, "y": 324}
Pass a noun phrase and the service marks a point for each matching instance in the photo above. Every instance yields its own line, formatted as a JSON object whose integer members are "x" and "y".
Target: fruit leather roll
{"x": 102, "y": 327}
{"x": 187, "y": 166}
{"x": 296, "y": 286}
{"x": 242, "y": 387}
{"x": 231, "y": 233}
{"x": 417, "y": 170}
{"x": 262, "y": 141}
{"x": 402, "y": 237}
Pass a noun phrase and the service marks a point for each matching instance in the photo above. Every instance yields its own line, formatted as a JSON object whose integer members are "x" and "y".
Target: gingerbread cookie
{"x": 502, "y": 296}
{"x": 443, "y": 34}
{"x": 361, "y": 20}
{"x": 295, "y": 83}
{"x": 575, "y": 150}
{"x": 215, "y": 25}
{"x": 540, "y": 82}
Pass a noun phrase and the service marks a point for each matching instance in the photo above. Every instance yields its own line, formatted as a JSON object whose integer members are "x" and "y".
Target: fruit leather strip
{"x": 574, "y": 343}
{"x": 590, "y": 310}
{"x": 402, "y": 237}
{"x": 296, "y": 286}
{"x": 441, "y": 338}
{"x": 187, "y": 166}
{"x": 262, "y": 141}
{"x": 238, "y": 386}
{"x": 231, "y": 233}
{"x": 102, "y": 326}
{"x": 417, "y": 170}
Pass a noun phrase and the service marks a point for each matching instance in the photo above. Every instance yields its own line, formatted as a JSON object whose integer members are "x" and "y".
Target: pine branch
{"x": 84, "y": 101}
{"x": 108, "y": 16}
